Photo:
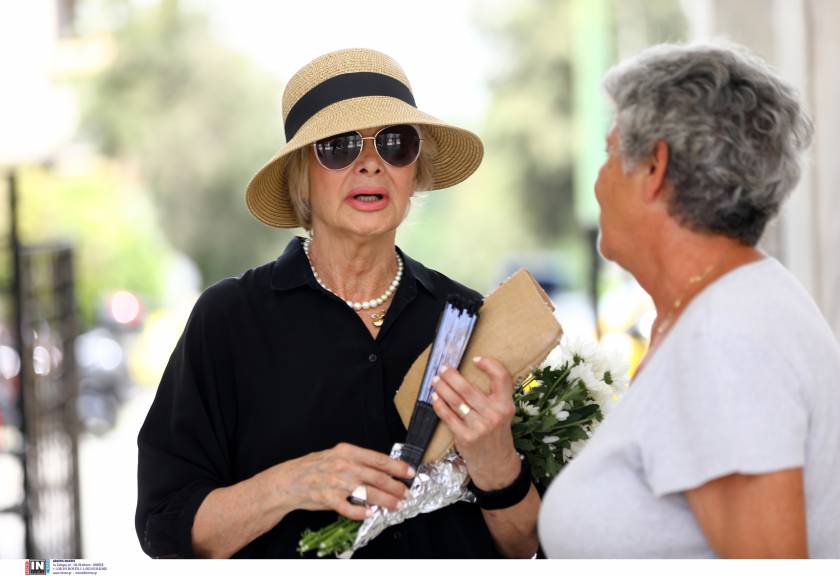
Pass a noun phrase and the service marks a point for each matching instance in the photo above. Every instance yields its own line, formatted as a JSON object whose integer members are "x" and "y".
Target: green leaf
{"x": 522, "y": 444}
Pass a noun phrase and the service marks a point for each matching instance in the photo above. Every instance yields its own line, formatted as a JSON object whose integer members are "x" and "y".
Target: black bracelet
{"x": 507, "y": 496}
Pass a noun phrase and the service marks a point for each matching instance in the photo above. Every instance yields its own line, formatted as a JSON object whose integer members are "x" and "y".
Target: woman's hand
{"x": 231, "y": 517}
{"x": 323, "y": 480}
{"x": 480, "y": 422}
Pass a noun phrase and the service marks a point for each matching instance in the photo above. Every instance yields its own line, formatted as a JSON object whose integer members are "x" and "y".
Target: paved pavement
{"x": 108, "y": 489}
{"x": 108, "y": 484}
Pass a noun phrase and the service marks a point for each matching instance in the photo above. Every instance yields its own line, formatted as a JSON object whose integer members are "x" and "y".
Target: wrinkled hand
{"x": 323, "y": 480}
{"x": 482, "y": 434}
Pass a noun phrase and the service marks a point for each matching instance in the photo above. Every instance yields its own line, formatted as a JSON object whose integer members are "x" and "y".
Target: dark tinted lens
{"x": 398, "y": 145}
{"x": 339, "y": 151}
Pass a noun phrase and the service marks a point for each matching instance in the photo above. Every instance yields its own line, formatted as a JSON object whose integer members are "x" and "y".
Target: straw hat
{"x": 348, "y": 90}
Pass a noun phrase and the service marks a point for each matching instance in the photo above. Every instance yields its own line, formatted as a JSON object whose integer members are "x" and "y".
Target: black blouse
{"x": 271, "y": 367}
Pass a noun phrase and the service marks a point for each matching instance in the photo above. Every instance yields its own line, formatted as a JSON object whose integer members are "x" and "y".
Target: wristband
{"x": 507, "y": 496}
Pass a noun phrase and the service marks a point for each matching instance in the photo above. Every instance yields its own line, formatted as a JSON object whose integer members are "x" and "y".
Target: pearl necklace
{"x": 367, "y": 304}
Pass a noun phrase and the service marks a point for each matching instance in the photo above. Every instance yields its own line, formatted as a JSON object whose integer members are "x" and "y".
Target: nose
{"x": 368, "y": 161}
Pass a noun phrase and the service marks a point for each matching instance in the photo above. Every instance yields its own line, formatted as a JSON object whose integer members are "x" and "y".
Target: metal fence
{"x": 38, "y": 391}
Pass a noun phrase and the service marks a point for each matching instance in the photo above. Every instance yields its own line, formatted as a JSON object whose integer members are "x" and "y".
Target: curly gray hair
{"x": 734, "y": 131}
{"x": 297, "y": 173}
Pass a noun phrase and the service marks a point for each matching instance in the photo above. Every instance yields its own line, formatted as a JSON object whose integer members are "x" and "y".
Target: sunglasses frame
{"x": 362, "y": 148}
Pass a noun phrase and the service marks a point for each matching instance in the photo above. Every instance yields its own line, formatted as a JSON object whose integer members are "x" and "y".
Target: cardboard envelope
{"x": 516, "y": 325}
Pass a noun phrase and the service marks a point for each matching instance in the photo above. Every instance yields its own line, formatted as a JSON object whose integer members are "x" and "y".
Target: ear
{"x": 655, "y": 183}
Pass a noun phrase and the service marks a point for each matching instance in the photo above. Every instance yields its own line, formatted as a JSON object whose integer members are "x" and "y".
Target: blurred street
{"x": 108, "y": 480}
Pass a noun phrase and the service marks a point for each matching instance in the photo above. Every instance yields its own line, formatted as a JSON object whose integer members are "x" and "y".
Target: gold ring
{"x": 464, "y": 409}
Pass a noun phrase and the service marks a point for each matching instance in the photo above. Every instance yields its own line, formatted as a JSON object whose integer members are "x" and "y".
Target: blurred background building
{"x": 130, "y": 128}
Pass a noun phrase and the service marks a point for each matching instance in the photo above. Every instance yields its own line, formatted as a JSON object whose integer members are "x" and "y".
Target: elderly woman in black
{"x": 277, "y": 403}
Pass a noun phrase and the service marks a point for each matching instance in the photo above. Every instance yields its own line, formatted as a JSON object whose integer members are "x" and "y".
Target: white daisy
{"x": 530, "y": 409}
{"x": 559, "y": 410}
{"x": 582, "y": 347}
{"x": 584, "y": 373}
{"x": 556, "y": 358}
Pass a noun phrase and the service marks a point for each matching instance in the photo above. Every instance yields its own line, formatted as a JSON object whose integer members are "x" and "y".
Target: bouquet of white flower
{"x": 561, "y": 404}
{"x": 557, "y": 409}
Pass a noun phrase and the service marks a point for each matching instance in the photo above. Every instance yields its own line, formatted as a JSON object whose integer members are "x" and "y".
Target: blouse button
{"x": 373, "y": 358}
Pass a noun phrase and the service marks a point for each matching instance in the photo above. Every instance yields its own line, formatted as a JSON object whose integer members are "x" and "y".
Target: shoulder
{"x": 285, "y": 272}
{"x": 449, "y": 286}
{"x": 761, "y": 305}
{"x": 439, "y": 284}
{"x": 759, "y": 288}
{"x": 753, "y": 337}
{"x": 229, "y": 294}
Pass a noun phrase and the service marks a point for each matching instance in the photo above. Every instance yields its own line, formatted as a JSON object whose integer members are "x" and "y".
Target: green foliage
{"x": 108, "y": 219}
{"x": 197, "y": 120}
{"x": 466, "y": 231}
{"x": 534, "y": 123}
{"x": 538, "y": 433}
{"x": 530, "y": 117}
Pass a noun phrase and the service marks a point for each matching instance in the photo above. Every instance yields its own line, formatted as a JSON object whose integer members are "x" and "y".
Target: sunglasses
{"x": 398, "y": 146}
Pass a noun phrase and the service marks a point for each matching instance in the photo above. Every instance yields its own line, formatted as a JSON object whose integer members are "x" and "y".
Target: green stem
{"x": 333, "y": 539}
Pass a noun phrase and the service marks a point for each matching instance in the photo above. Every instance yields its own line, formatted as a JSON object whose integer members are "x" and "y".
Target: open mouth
{"x": 368, "y": 197}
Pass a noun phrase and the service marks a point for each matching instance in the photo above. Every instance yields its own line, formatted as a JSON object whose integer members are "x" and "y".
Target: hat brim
{"x": 459, "y": 151}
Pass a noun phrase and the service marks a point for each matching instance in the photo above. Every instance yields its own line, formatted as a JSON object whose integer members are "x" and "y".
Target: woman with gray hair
{"x": 727, "y": 442}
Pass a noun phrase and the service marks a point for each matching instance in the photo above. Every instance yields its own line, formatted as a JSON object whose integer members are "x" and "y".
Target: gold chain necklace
{"x": 668, "y": 320}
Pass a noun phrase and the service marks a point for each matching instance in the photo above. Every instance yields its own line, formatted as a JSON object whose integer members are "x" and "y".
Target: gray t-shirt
{"x": 747, "y": 381}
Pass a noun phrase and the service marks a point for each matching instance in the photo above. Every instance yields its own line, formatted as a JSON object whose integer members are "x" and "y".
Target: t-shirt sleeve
{"x": 723, "y": 404}
{"x": 184, "y": 445}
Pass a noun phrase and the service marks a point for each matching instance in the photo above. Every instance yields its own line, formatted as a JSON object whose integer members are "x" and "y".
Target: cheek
{"x": 323, "y": 185}
{"x": 406, "y": 182}
{"x": 316, "y": 179}
{"x": 600, "y": 185}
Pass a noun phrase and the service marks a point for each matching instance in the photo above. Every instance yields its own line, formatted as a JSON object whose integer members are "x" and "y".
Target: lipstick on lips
{"x": 368, "y": 198}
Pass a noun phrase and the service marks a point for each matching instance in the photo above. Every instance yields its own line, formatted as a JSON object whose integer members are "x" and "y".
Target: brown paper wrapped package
{"x": 516, "y": 325}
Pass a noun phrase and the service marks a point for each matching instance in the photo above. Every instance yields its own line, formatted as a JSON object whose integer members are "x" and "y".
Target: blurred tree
{"x": 531, "y": 120}
{"x": 530, "y": 116}
{"x": 473, "y": 231}
{"x": 108, "y": 218}
{"x": 197, "y": 120}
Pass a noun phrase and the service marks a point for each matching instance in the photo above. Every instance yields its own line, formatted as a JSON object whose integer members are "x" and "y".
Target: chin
{"x": 604, "y": 246}
{"x": 373, "y": 228}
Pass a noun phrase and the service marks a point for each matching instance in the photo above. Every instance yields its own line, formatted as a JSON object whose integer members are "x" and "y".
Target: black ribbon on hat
{"x": 343, "y": 87}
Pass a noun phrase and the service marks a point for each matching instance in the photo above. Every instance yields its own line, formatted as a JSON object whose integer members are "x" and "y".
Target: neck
{"x": 680, "y": 264}
{"x": 354, "y": 268}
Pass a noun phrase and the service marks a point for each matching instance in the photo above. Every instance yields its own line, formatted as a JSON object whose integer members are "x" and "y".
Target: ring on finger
{"x": 464, "y": 409}
{"x": 359, "y": 496}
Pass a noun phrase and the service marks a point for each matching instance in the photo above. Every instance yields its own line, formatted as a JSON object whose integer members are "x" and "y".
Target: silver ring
{"x": 359, "y": 496}
{"x": 464, "y": 409}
